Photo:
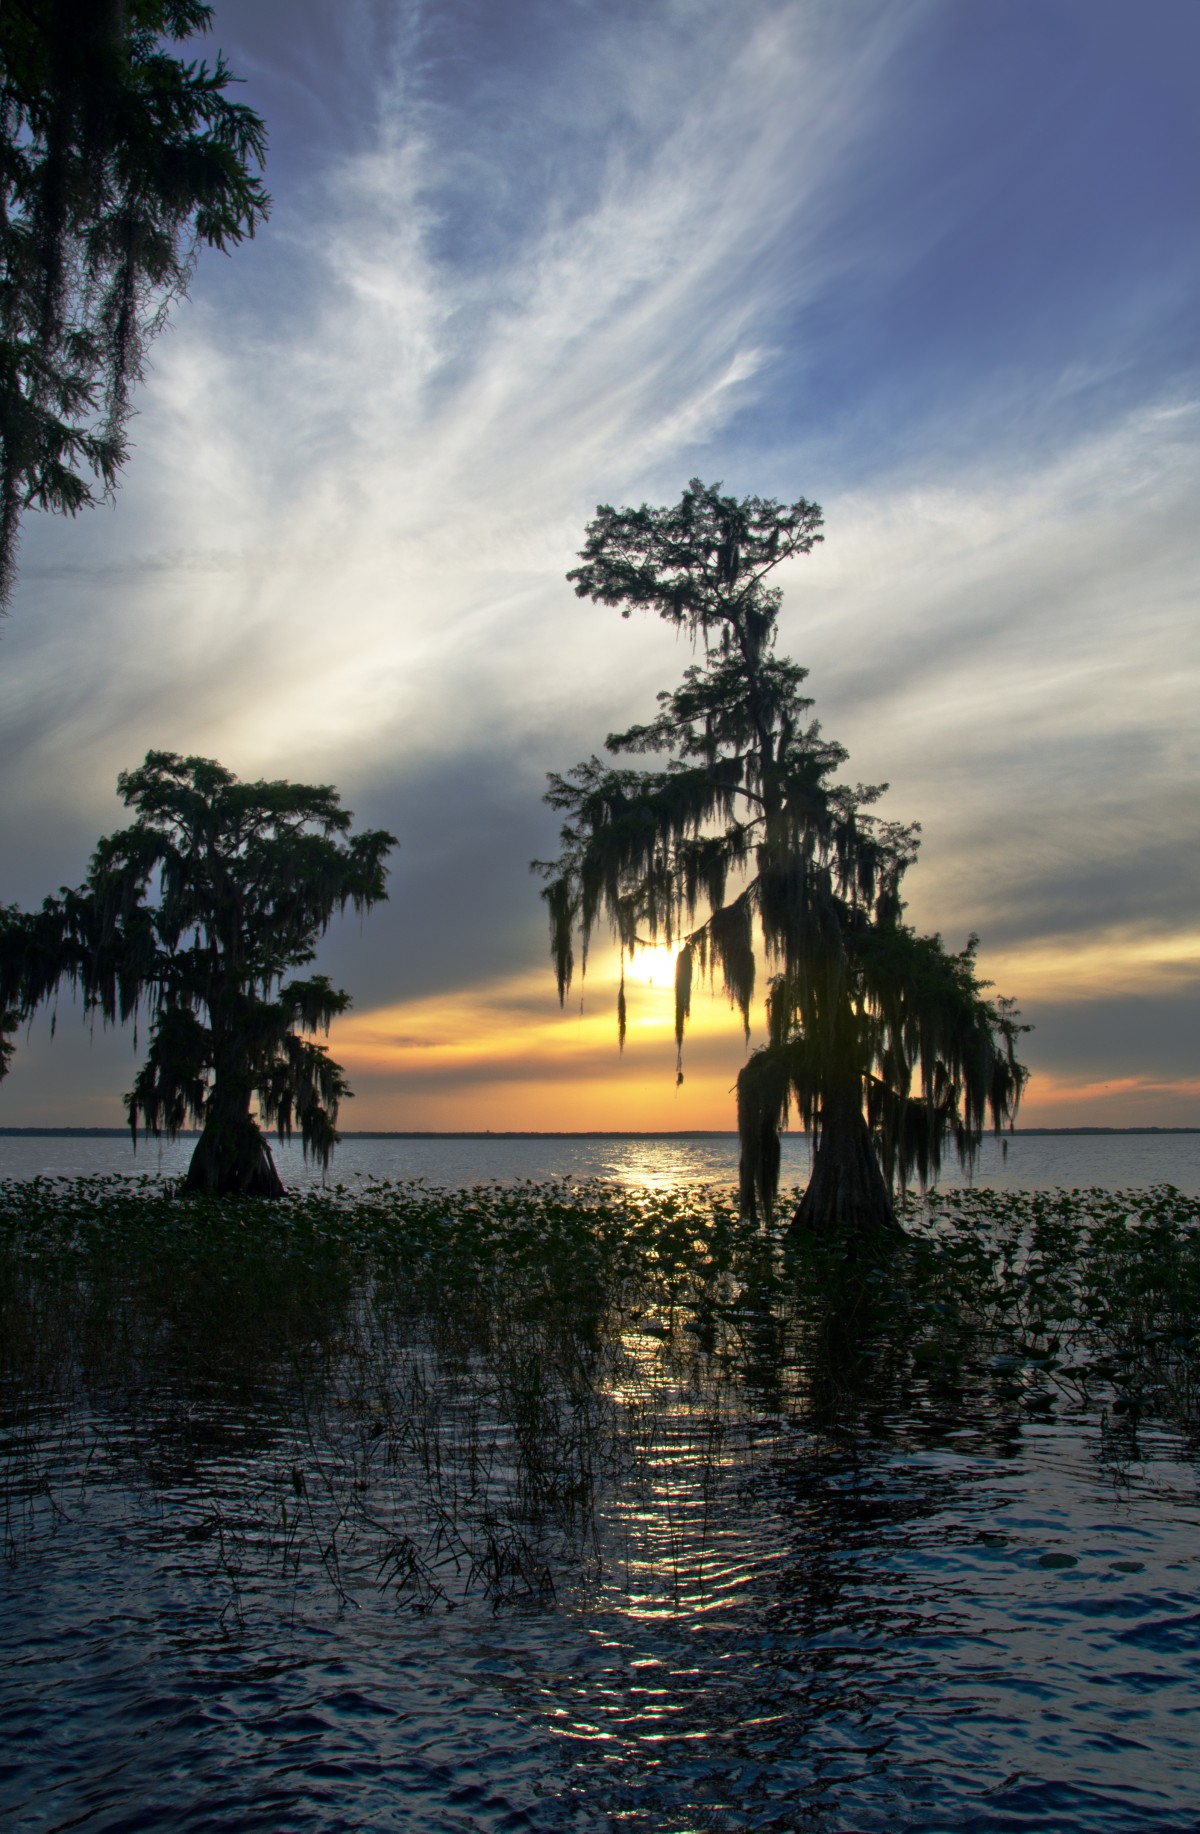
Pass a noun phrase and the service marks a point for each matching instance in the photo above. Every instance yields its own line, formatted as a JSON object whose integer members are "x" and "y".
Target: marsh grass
{"x": 508, "y": 1393}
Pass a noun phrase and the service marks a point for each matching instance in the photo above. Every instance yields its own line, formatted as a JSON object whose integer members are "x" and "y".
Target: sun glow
{"x": 652, "y": 967}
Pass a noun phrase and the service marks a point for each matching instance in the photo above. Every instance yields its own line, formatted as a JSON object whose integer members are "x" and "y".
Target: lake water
{"x": 795, "y": 1601}
{"x": 452, "y": 1162}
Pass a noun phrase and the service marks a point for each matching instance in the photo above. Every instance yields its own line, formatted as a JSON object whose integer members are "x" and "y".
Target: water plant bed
{"x": 574, "y": 1506}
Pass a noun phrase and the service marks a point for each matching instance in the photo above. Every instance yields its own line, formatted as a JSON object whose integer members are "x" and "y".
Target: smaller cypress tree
{"x": 199, "y": 910}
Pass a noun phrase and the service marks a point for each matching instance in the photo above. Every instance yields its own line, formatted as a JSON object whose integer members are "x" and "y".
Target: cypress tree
{"x": 196, "y": 913}
{"x": 739, "y": 847}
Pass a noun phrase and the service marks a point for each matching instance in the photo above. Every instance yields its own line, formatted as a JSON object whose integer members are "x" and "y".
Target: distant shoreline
{"x": 699, "y": 1133}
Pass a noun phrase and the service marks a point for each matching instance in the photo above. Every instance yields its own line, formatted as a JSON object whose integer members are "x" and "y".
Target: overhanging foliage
{"x": 117, "y": 163}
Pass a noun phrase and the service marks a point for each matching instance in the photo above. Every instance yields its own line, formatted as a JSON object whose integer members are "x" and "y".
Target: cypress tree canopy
{"x": 740, "y": 848}
{"x": 118, "y": 162}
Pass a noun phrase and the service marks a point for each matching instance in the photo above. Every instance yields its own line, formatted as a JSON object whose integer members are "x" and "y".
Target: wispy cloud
{"x": 402, "y": 459}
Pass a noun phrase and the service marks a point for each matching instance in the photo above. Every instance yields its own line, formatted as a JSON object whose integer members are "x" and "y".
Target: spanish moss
{"x": 740, "y": 846}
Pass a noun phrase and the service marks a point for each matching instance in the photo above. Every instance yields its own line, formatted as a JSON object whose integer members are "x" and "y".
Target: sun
{"x": 653, "y": 967}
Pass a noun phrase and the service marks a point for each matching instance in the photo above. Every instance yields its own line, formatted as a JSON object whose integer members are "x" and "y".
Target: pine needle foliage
{"x": 197, "y": 913}
{"x": 118, "y": 162}
{"x": 740, "y": 848}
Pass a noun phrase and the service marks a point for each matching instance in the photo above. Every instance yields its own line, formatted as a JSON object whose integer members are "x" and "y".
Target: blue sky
{"x": 933, "y": 265}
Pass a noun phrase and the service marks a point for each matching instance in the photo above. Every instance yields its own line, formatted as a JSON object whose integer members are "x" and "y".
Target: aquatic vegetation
{"x": 509, "y": 1391}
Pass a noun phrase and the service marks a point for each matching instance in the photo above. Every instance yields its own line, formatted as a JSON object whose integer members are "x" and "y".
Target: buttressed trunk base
{"x": 847, "y": 1195}
{"x": 232, "y": 1159}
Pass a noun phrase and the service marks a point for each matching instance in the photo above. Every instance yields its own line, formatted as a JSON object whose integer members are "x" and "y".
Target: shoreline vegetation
{"x": 460, "y": 1393}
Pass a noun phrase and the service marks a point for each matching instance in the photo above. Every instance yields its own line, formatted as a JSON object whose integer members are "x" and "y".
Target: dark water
{"x": 938, "y": 1640}
{"x": 391, "y": 1578}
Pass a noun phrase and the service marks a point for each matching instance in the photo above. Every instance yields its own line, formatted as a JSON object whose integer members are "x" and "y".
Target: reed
{"x": 508, "y": 1393}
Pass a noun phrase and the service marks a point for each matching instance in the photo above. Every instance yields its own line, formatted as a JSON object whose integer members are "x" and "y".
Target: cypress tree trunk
{"x": 232, "y": 1158}
{"x": 847, "y": 1195}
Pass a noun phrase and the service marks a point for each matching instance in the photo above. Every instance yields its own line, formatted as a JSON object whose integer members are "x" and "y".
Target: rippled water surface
{"x": 944, "y": 1639}
{"x": 377, "y": 1572}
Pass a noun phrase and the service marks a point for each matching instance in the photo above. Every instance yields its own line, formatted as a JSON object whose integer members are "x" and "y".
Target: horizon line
{"x": 490, "y": 1133}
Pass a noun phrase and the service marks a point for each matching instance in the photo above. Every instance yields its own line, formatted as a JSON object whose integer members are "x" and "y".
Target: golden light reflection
{"x": 669, "y": 1535}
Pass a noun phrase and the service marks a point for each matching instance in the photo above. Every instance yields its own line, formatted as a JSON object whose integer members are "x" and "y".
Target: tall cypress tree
{"x": 740, "y": 846}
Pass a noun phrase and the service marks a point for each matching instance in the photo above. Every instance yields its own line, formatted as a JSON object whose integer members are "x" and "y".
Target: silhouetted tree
{"x": 199, "y": 910}
{"x": 117, "y": 163}
{"x": 883, "y": 1038}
